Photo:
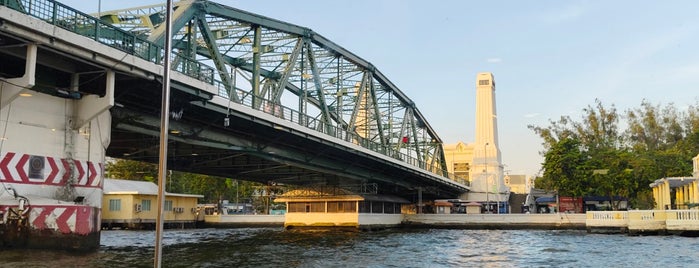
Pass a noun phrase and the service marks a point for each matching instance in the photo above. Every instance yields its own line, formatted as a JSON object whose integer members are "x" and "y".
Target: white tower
{"x": 487, "y": 181}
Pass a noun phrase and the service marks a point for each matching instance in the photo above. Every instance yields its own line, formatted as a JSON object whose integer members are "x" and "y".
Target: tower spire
{"x": 487, "y": 183}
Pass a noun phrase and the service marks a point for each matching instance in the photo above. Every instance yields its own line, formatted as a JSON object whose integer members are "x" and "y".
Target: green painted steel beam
{"x": 216, "y": 56}
{"x": 254, "y": 19}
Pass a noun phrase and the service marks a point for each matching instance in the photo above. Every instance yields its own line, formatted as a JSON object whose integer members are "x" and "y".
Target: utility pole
{"x": 164, "y": 125}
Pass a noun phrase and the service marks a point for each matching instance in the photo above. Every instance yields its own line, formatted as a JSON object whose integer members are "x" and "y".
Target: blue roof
{"x": 546, "y": 199}
{"x": 552, "y": 199}
{"x": 604, "y": 198}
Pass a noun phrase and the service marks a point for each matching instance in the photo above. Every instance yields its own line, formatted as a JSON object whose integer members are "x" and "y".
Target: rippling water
{"x": 274, "y": 247}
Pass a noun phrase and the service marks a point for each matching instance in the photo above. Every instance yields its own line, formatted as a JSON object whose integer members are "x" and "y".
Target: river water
{"x": 274, "y": 247}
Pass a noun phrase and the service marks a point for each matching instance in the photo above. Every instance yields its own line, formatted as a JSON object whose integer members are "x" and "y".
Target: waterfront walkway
{"x": 644, "y": 221}
{"x": 682, "y": 222}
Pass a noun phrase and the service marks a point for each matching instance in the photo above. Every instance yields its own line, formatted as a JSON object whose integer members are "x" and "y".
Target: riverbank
{"x": 463, "y": 221}
{"x": 497, "y": 221}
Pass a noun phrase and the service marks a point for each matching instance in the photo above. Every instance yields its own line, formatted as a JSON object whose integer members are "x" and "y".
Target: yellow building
{"x": 519, "y": 184}
{"x": 133, "y": 204}
{"x": 459, "y": 158}
{"x": 678, "y": 192}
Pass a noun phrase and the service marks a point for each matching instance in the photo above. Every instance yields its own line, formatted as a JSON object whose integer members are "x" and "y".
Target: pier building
{"x": 338, "y": 207}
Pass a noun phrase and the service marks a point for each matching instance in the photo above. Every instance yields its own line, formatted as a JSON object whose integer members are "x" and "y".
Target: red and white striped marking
{"x": 15, "y": 168}
{"x": 66, "y": 219}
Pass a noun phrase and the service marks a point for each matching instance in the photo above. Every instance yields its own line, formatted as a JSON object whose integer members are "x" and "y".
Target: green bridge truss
{"x": 273, "y": 66}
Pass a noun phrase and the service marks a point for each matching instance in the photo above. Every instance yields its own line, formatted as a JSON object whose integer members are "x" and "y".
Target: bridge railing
{"x": 607, "y": 219}
{"x": 80, "y": 23}
{"x": 291, "y": 115}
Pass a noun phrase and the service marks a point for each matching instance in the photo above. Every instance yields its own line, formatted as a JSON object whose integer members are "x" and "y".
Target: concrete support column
{"x": 16, "y": 86}
{"x": 695, "y": 193}
{"x": 419, "y": 200}
{"x": 91, "y": 106}
{"x": 656, "y": 197}
{"x": 666, "y": 195}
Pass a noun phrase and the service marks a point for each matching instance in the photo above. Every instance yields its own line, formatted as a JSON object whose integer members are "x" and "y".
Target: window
{"x": 305, "y": 207}
{"x": 333, "y": 207}
{"x": 483, "y": 82}
{"x": 317, "y": 207}
{"x": 364, "y": 206}
{"x": 114, "y": 204}
{"x": 145, "y": 205}
{"x": 340, "y": 207}
{"x": 349, "y": 206}
{"x": 168, "y": 205}
{"x": 296, "y": 207}
{"x": 388, "y": 208}
{"x": 376, "y": 207}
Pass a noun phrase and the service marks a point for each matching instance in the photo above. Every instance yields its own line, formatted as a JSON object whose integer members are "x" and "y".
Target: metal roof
{"x": 674, "y": 181}
{"x": 116, "y": 186}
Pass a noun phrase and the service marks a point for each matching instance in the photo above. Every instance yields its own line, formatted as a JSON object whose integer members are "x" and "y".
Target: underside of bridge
{"x": 273, "y": 102}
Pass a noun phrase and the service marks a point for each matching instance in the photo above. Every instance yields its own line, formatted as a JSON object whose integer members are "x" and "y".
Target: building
{"x": 677, "y": 192}
{"x": 518, "y": 184}
{"x": 133, "y": 204}
{"x": 459, "y": 159}
{"x": 326, "y": 206}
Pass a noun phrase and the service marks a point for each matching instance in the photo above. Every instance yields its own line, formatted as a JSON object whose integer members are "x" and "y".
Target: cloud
{"x": 531, "y": 115}
{"x": 494, "y": 60}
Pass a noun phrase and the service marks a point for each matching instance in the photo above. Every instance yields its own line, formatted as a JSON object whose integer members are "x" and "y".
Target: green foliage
{"x": 594, "y": 156}
{"x": 131, "y": 170}
{"x": 561, "y": 167}
{"x": 213, "y": 188}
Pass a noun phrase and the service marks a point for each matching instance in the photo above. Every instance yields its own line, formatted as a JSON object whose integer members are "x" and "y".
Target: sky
{"x": 550, "y": 58}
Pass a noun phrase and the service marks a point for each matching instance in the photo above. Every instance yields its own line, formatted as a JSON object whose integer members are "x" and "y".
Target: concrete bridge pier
{"x": 52, "y": 151}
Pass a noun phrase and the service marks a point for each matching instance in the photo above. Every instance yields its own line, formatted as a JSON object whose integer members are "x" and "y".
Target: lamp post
{"x": 487, "y": 184}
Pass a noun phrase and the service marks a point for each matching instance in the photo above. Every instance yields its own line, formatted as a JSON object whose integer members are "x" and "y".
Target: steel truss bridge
{"x": 252, "y": 97}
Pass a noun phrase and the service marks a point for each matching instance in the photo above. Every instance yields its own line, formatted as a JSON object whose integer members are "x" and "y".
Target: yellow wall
{"x": 128, "y": 201}
{"x": 126, "y": 211}
{"x": 189, "y": 205}
{"x": 322, "y": 219}
{"x": 458, "y": 153}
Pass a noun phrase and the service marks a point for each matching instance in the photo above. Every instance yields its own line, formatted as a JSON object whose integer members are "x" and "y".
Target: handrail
{"x": 83, "y": 24}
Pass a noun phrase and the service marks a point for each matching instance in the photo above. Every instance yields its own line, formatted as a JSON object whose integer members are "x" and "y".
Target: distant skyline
{"x": 549, "y": 58}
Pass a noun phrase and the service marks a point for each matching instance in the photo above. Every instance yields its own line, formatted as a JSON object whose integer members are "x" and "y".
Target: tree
{"x": 562, "y": 169}
{"x": 213, "y": 188}
{"x": 131, "y": 170}
{"x": 595, "y": 152}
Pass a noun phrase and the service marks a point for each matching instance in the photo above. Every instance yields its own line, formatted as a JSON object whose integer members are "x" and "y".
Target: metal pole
{"x": 419, "y": 200}
{"x": 164, "y": 126}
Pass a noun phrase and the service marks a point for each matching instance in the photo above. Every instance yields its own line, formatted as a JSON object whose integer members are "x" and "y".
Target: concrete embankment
{"x": 466, "y": 221}
{"x": 496, "y": 221}
{"x": 219, "y": 221}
